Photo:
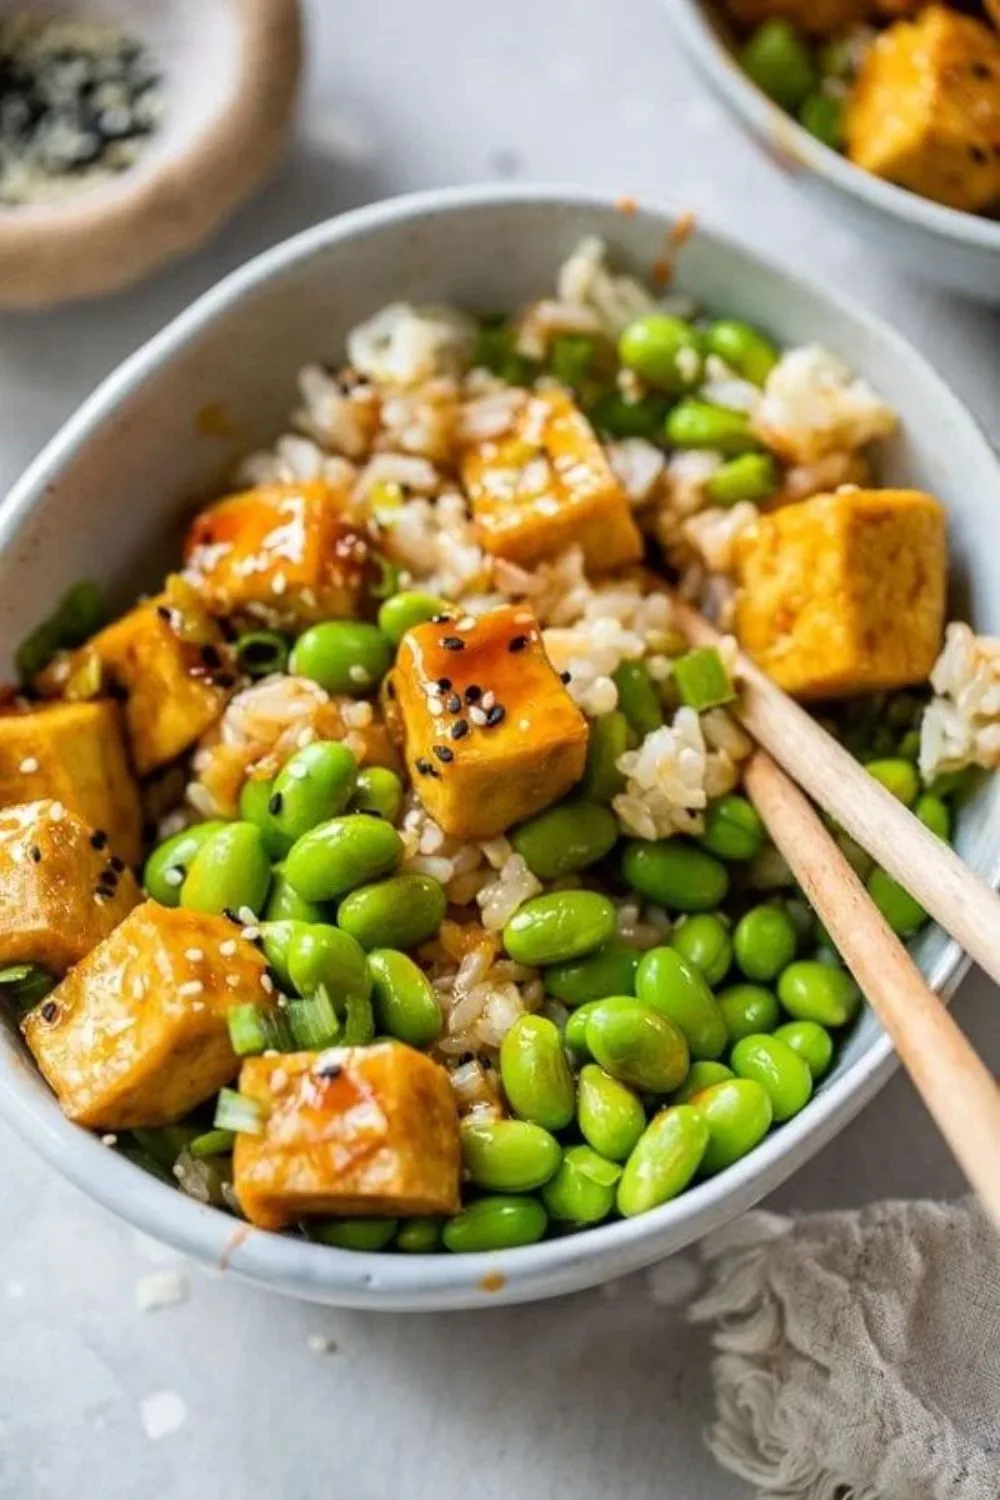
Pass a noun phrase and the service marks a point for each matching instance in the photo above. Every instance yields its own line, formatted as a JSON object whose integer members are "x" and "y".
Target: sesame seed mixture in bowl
{"x": 385, "y": 877}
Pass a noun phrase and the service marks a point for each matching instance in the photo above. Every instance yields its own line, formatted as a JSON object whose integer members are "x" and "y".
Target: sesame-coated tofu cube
{"x": 350, "y": 1131}
{"x": 175, "y": 683}
{"x": 816, "y": 17}
{"x": 61, "y": 888}
{"x": 491, "y": 734}
{"x": 284, "y": 554}
{"x": 136, "y": 1034}
{"x": 845, "y": 593}
{"x": 74, "y": 753}
{"x": 549, "y": 486}
{"x": 924, "y": 111}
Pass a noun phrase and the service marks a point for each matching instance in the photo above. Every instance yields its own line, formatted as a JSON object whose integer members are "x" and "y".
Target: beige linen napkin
{"x": 859, "y": 1352}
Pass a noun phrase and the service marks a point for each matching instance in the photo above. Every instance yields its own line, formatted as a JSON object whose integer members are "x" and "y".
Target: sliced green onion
{"x": 313, "y": 1022}
{"x": 259, "y": 653}
{"x": 80, "y": 612}
{"x": 24, "y": 985}
{"x": 573, "y": 357}
{"x": 495, "y": 349}
{"x": 387, "y": 582}
{"x": 251, "y": 1030}
{"x": 702, "y": 680}
{"x": 359, "y": 1022}
{"x": 212, "y": 1143}
{"x": 165, "y": 1144}
{"x": 237, "y": 1112}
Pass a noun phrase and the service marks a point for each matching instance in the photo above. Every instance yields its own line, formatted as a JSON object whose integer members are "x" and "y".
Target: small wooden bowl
{"x": 231, "y": 73}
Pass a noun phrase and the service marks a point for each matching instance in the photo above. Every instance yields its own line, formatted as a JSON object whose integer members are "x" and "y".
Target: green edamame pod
{"x": 378, "y": 791}
{"x": 565, "y": 838}
{"x": 343, "y": 656}
{"x": 738, "y": 1114}
{"x": 276, "y": 938}
{"x": 748, "y": 1009}
{"x": 701, "y": 1076}
{"x": 609, "y": 970}
{"x": 400, "y": 613}
{"x": 675, "y": 874}
{"x": 935, "y": 814}
{"x": 743, "y": 348}
{"x": 663, "y": 350}
{"x": 562, "y": 925}
{"x": 784, "y": 1076}
{"x": 230, "y": 872}
{"x": 638, "y": 1046}
{"x": 406, "y": 1005}
{"x": 339, "y": 855}
{"x": 583, "y": 1189}
{"x": 420, "y": 1236}
{"x": 354, "y": 1234}
{"x": 898, "y": 776}
{"x": 733, "y": 829}
{"x": 751, "y": 476}
{"x": 765, "y": 942}
{"x": 495, "y": 1222}
{"x": 904, "y": 915}
{"x": 402, "y": 912}
{"x": 255, "y": 807}
{"x": 167, "y": 866}
{"x": 638, "y": 699}
{"x": 508, "y": 1156}
{"x": 811, "y": 1041}
{"x": 610, "y": 1116}
{"x": 703, "y": 939}
{"x": 535, "y": 1073}
{"x": 284, "y": 904}
{"x": 812, "y": 991}
{"x": 700, "y": 424}
{"x": 317, "y": 783}
{"x": 664, "y": 1160}
{"x": 323, "y": 955}
{"x": 667, "y": 983}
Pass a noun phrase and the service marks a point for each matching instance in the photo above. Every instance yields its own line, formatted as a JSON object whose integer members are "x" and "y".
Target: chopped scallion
{"x": 80, "y": 612}
{"x": 359, "y": 1023}
{"x": 702, "y": 680}
{"x": 259, "y": 653}
{"x": 253, "y": 1030}
{"x": 165, "y": 1144}
{"x": 24, "y": 985}
{"x": 387, "y": 582}
{"x": 313, "y": 1022}
{"x": 212, "y": 1143}
{"x": 237, "y": 1112}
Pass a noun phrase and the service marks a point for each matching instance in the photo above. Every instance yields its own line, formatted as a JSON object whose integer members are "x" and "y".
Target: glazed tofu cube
{"x": 74, "y": 753}
{"x": 549, "y": 486}
{"x": 924, "y": 111}
{"x": 175, "y": 682}
{"x": 350, "y": 1131}
{"x": 491, "y": 734}
{"x": 845, "y": 593}
{"x": 62, "y": 890}
{"x": 816, "y": 17}
{"x": 283, "y": 554}
{"x": 136, "y": 1034}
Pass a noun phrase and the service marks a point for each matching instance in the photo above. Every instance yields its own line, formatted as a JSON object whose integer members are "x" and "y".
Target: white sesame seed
{"x": 524, "y": 724}
{"x": 110, "y": 1139}
{"x": 197, "y": 1005}
{"x": 359, "y": 674}
{"x": 99, "y": 899}
{"x": 433, "y": 689}
{"x": 228, "y": 948}
{"x": 267, "y": 984}
{"x": 477, "y": 716}
{"x": 194, "y": 954}
{"x": 308, "y": 598}
{"x": 57, "y": 812}
{"x": 488, "y": 700}
{"x": 435, "y": 707}
{"x": 173, "y": 876}
{"x": 467, "y": 622}
{"x": 305, "y": 738}
{"x": 246, "y": 914}
{"x": 251, "y": 933}
{"x": 233, "y": 981}
{"x": 279, "y": 583}
{"x": 28, "y": 766}
{"x": 192, "y": 987}
{"x": 278, "y": 1080}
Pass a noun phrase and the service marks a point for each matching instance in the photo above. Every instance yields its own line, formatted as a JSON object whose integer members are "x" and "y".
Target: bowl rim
{"x": 766, "y": 119}
{"x": 432, "y": 1282}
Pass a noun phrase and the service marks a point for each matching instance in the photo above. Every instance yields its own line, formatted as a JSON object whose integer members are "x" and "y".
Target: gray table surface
{"x": 596, "y": 1395}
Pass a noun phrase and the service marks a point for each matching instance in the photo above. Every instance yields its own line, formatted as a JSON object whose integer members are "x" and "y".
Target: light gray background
{"x": 605, "y": 1394}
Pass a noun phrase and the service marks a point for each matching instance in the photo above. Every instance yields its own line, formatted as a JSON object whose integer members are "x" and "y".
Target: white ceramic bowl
{"x": 104, "y": 496}
{"x": 960, "y": 251}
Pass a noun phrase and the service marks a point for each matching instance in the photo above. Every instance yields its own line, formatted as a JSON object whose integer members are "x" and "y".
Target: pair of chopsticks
{"x": 956, "y": 1086}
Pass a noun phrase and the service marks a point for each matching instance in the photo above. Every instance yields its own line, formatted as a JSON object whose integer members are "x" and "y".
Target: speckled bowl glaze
{"x": 104, "y": 496}
{"x": 959, "y": 251}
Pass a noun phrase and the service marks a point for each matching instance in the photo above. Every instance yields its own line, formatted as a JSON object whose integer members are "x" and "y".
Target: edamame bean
{"x": 700, "y": 424}
{"x": 255, "y": 807}
{"x": 738, "y": 1114}
{"x": 399, "y": 913}
{"x": 334, "y": 857}
{"x": 764, "y": 942}
{"x": 746, "y": 1009}
{"x": 752, "y": 476}
{"x": 419, "y": 1236}
{"x": 354, "y": 1234}
{"x": 378, "y": 791}
{"x": 823, "y": 116}
{"x": 166, "y": 868}
{"x": 583, "y": 1189}
{"x": 400, "y": 613}
{"x": 664, "y": 351}
{"x": 284, "y": 904}
{"x": 782, "y": 1074}
{"x": 316, "y": 784}
{"x": 495, "y": 1222}
{"x": 665, "y": 1159}
{"x": 668, "y": 984}
{"x": 406, "y": 1005}
{"x": 811, "y": 1041}
{"x": 610, "y": 1117}
{"x": 935, "y": 814}
{"x": 675, "y": 874}
{"x": 638, "y": 1046}
{"x": 609, "y": 970}
{"x": 562, "y": 925}
{"x": 535, "y": 1073}
{"x": 733, "y": 829}
{"x": 744, "y": 349}
{"x": 904, "y": 915}
{"x": 575, "y": 1034}
{"x": 323, "y": 955}
{"x": 509, "y": 1156}
{"x": 343, "y": 656}
{"x": 702, "y": 1076}
{"x": 779, "y": 62}
{"x": 810, "y": 991}
{"x": 565, "y": 838}
{"x": 608, "y": 740}
{"x": 638, "y": 699}
{"x": 230, "y": 872}
{"x": 703, "y": 939}
{"x": 275, "y": 940}
{"x": 900, "y": 777}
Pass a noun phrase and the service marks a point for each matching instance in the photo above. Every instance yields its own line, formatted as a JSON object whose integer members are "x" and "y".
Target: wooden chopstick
{"x": 954, "y": 1083}
{"x": 924, "y": 865}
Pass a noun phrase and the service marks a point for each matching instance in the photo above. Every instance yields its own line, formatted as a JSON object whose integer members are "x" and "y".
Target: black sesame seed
{"x": 36, "y": 854}
{"x": 424, "y": 767}
{"x": 444, "y": 683}
{"x": 274, "y": 803}
{"x": 466, "y": 1057}
{"x": 117, "y": 863}
{"x": 452, "y": 643}
{"x": 473, "y": 693}
{"x": 444, "y": 754}
{"x": 225, "y": 680}
{"x": 459, "y": 729}
{"x": 210, "y": 656}
{"x": 227, "y": 911}
{"x": 108, "y": 877}
{"x": 978, "y": 154}
{"x": 49, "y": 1010}
{"x": 453, "y": 704}
{"x": 565, "y": 676}
{"x": 495, "y": 714}
{"x": 981, "y": 70}
{"x": 440, "y": 619}
{"x": 517, "y": 643}
{"x": 390, "y": 690}
{"x": 98, "y": 839}
{"x": 163, "y": 611}
{"x": 329, "y": 1070}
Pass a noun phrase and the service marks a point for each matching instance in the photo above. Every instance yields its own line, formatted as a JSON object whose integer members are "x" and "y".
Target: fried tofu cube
{"x": 845, "y": 593}
{"x": 350, "y": 1131}
{"x": 74, "y": 753}
{"x": 61, "y": 888}
{"x": 491, "y": 735}
{"x": 283, "y": 553}
{"x": 816, "y": 17}
{"x": 924, "y": 111}
{"x": 549, "y": 486}
{"x": 175, "y": 686}
{"x": 136, "y": 1034}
